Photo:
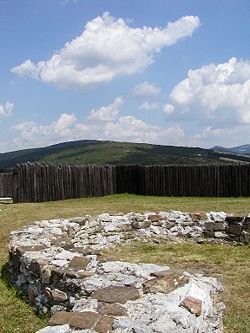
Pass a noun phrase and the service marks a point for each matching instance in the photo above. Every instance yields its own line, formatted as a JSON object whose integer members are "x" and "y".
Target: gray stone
{"x": 58, "y": 329}
{"x": 214, "y": 226}
{"x": 79, "y": 263}
{"x": 56, "y": 295}
{"x": 113, "y": 309}
{"x": 170, "y": 281}
{"x": 83, "y": 320}
{"x": 192, "y": 304}
{"x": 141, "y": 224}
{"x": 116, "y": 294}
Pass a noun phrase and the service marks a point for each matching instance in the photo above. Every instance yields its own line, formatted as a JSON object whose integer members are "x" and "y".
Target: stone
{"x": 79, "y": 263}
{"x": 103, "y": 324}
{"x": 56, "y": 274}
{"x": 234, "y": 228}
{"x": 192, "y": 304}
{"x": 198, "y": 216}
{"x": 141, "y": 224}
{"x": 32, "y": 292}
{"x": 83, "y": 320}
{"x": 65, "y": 255}
{"x": 56, "y": 295}
{"x": 113, "y": 309}
{"x": 245, "y": 237}
{"x": 169, "y": 224}
{"x": 165, "y": 284}
{"x": 60, "y": 318}
{"x": 86, "y": 250}
{"x": 154, "y": 217}
{"x": 57, "y": 308}
{"x": 36, "y": 266}
{"x": 80, "y": 220}
{"x": 219, "y": 234}
{"x": 29, "y": 248}
{"x": 217, "y": 216}
{"x": 235, "y": 218}
{"x": 60, "y": 262}
{"x": 246, "y": 224}
{"x": 84, "y": 304}
{"x": 160, "y": 274}
{"x": 75, "y": 274}
{"x": 116, "y": 294}
{"x": 46, "y": 274}
{"x": 214, "y": 226}
{"x": 57, "y": 329}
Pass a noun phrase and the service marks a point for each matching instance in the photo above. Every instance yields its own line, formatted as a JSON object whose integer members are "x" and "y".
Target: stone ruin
{"x": 60, "y": 266}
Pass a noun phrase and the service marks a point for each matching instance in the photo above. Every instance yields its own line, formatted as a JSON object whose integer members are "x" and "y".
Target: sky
{"x": 170, "y": 72}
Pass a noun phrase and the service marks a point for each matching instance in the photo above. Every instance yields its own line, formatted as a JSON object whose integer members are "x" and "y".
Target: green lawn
{"x": 232, "y": 261}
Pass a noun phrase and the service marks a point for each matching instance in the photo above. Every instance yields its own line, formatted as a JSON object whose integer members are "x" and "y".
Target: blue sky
{"x": 158, "y": 71}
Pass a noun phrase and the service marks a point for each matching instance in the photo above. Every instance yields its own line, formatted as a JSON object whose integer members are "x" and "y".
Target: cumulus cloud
{"x": 146, "y": 90}
{"x": 106, "y": 48}
{"x": 228, "y": 136}
{"x": 147, "y": 106}
{"x": 6, "y": 110}
{"x": 215, "y": 94}
{"x": 111, "y": 127}
{"x": 107, "y": 113}
{"x": 34, "y": 134}
{"x": 168, "y": 109}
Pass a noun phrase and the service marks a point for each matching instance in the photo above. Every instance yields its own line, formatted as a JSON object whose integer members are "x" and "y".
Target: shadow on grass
{"x": 5, "y": 276}
{"x": 7, "y": 279}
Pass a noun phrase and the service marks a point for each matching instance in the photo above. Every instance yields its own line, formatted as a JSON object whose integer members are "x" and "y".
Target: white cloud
{"x": 229, "y": 136}
{"x": 63, "y": 123}
{"x": 147, "y": 106}
{"x": 215, "y": 94}
{"x": 129, "y": 128}
{"x": 3, "y": 147}
{"x": 37, "y": 135}
{"x": 168, "y": 109}
{"x": 6, "y": 110}
{"x": 106, "y": 48}
{"x": 146, "y": 90}
{"x": 107, "y": 113}
{"x": 65, "y": 2}
{"x": 121, "y": 128}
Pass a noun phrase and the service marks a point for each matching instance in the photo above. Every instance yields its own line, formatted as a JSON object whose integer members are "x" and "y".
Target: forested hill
{"x": 110, "y": 152}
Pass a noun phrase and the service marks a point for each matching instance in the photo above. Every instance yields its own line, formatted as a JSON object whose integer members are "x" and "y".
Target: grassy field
{"x": 232, "y": 261}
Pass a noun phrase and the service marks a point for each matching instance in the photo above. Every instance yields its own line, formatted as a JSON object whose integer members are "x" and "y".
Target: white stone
{"x": 55, "y": 329}
{"x": 155, "y": 230}
{"x": 84, "y": 304}
{"x": 60, "y": 262}
{"x": 56, "y": 231}
{"x": 95, "y": 282}
{"x": 65, "y": 255}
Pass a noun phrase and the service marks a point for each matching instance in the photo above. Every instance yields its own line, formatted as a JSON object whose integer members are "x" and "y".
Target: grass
{"x": 17, "y": 317}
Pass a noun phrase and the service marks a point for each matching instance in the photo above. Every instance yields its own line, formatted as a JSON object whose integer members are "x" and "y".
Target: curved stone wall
{"x": 59, "y": 264}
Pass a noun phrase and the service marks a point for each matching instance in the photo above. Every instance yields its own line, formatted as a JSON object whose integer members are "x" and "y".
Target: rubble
{"x": 59, "y": 264}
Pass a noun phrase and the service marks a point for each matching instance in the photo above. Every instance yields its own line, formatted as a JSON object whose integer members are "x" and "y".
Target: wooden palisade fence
{"x": 35, "y": 182}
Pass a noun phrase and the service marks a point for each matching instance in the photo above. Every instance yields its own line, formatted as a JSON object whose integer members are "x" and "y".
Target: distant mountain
{"x": 110, "y": 152}
{"x": 242, "y": 150}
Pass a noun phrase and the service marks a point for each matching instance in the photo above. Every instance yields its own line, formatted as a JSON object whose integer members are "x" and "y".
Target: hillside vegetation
{"x": 109, "y": 152}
